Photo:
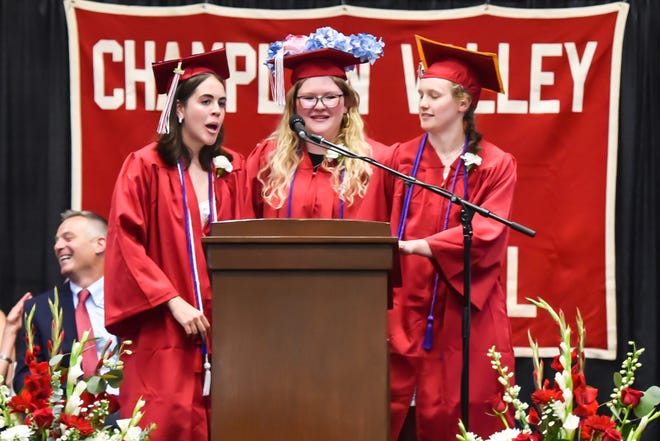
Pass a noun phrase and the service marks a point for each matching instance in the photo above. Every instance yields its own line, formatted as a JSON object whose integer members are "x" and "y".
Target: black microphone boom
{"x": 297, "y": 124}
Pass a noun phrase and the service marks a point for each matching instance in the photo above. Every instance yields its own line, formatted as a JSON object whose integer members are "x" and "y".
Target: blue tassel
{"x": 428, "y": 336}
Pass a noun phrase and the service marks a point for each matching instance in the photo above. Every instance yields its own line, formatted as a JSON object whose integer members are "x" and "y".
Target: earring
{"x": 180, "y": 119}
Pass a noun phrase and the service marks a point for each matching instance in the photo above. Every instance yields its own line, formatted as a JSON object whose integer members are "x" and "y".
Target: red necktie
{"x": 90, "y": 359}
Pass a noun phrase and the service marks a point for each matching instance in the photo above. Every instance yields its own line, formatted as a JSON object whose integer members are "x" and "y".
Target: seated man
{"x": 80, "y": 250}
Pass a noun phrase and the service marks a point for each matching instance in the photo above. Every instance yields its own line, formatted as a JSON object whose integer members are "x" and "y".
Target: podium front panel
{"x": 300, "y": 335}
{"x": 305, "y": 359}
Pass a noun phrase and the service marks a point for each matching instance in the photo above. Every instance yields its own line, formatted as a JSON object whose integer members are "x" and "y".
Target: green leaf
{"x": 115, "y": 379}
{"x": 649, "y": 400}
{"x": 95, "y": 385}
{"x": 56, "y": 360}
{"x": 617, "y": 379}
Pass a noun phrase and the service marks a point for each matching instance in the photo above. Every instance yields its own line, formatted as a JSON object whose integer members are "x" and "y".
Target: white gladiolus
{"x": 571, "y": 423}
{"x": 74, "y": 401}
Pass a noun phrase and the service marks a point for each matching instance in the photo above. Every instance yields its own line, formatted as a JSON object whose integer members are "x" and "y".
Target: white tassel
{"x": 277, "y": 81}
{"x": 164, "y": 122}
{"x": 206, "y": 390}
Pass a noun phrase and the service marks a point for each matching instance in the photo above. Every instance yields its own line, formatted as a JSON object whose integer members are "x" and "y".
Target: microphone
{"x": 297, "y": 124}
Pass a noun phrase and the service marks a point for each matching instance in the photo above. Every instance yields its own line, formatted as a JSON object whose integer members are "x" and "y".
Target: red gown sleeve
{"x": 134, "y": 283}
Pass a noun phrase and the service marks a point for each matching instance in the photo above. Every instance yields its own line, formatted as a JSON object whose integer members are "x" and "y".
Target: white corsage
{"x": 471, "y": 160}
{"x": 222, "y": 165}
{"x": 332, "y": 154}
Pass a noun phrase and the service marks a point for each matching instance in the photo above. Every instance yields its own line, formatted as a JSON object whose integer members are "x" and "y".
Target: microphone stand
{"x": 468, "y": 210}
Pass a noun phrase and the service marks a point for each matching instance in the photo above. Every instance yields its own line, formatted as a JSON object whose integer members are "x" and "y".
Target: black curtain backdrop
{"x": 35, "y": 159}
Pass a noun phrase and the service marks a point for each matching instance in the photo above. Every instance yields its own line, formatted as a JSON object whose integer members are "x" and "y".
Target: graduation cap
{"x": 325, "y": 52}
{"x": 471, "y": 69}
{"x": 168, "y": 74}
{"x": 320, "y": 63}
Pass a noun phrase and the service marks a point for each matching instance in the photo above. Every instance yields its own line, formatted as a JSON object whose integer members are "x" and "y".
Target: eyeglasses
{"x": 309, "y": 102}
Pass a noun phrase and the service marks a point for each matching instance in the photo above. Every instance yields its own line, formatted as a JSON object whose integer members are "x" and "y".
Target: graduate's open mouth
{"x": 213, "y": 127}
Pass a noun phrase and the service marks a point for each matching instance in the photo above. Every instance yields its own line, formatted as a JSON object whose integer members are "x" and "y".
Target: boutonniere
{"x": 332, "y": 154}
{"x": 222, "y": 165}
{"x": 471, "y": 160}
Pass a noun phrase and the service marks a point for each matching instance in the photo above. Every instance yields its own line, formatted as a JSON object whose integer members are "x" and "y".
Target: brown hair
{"x": 170, "y": 145}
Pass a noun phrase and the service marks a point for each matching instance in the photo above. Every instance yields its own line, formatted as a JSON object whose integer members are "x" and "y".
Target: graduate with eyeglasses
{"x": 291, "y": 178}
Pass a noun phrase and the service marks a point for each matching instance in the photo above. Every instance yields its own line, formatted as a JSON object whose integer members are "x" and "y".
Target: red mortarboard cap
{"x": 319, "y": 63}
{"x": 212, "y": 61}
{"x": 471, "y": 69}
{"x": 169, "y": 73}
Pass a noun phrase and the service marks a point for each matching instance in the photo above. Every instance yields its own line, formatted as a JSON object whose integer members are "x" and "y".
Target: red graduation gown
{"x": 147, "y": 263}
{"x": 435, "y": 376}
{"x": 313, "y": 196}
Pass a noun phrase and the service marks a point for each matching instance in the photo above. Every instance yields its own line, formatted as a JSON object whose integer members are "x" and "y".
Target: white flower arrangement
{"x": 567, "y": 409}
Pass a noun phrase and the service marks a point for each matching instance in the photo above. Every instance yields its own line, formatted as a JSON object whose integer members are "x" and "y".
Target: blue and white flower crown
{"x": 364, "y": 47}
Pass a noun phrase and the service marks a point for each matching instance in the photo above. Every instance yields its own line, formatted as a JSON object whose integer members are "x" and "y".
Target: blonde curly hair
{"x": 282, "y": 162}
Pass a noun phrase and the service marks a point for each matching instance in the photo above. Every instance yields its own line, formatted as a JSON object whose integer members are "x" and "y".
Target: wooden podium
{"x": 299, "y": 329}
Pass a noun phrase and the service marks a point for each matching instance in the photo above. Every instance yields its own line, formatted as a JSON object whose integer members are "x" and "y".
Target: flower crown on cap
{"x": 363, "y": 47}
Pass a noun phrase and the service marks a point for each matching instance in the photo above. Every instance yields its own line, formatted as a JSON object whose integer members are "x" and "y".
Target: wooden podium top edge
{"x": 299, "y": 239}
{"x": 318, "y": 230}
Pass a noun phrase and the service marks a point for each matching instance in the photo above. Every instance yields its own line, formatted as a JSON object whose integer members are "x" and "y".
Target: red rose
{"x": 631, "y": 397}
{"x": 528, "y": 437}
{"x": 43, "y": 417}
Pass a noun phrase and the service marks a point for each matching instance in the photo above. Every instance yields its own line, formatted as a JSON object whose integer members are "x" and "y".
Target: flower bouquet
{"x": 56, "y": 403}
{"x": 566, "y": 409}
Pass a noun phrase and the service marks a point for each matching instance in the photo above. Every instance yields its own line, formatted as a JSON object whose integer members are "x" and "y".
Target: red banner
{"x": 559, "y": 117}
